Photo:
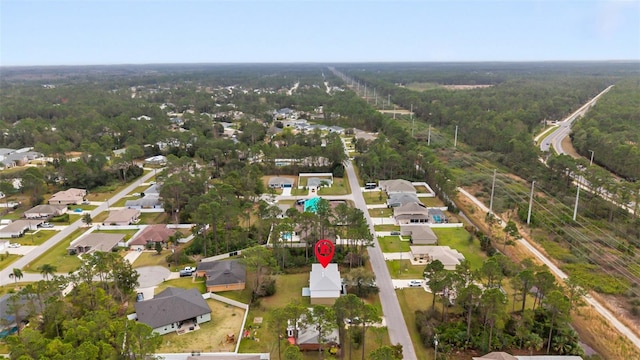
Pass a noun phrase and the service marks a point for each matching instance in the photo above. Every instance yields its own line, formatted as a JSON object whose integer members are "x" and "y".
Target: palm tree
{"x": 16, "y": 274}
{"x": 46, "y": 270}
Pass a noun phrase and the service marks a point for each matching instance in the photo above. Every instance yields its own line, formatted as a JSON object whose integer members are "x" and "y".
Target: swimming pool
{"x": 286, "y": 236}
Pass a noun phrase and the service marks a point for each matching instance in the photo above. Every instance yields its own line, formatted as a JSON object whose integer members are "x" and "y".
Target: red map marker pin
{"x": 324, "y": 252}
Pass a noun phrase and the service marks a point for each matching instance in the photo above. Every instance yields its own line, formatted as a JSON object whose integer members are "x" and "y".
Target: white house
{"x": 325, "y": 284}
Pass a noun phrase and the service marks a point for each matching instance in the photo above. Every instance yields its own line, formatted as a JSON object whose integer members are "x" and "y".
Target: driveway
{"x": 152, "y": 275}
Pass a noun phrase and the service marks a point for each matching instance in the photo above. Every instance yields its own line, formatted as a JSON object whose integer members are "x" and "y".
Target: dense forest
{"x": 611, "y": 129}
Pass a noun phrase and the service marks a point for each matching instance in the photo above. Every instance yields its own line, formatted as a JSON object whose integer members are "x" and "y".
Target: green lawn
{"x": 153, "y": 218}
{"x": 82, "y": 206}
{"x": 184, "y": 283}
{"x": 458, "y": 238}
{"x": 431, "y": 201}
{"x": 123, "y": 201}
{"x": 58, "y": 256}
{"x": 381, "y": 212}
{"x": 299, "y": 192}
{"x": 411, "y": 300}
{"x": 391, "y": 244}
{"x": 386, "y": 227}
{"x": 148, "y": 258}
{"x": 402, "y": 269}
{"x": 35, "y": 237}
{"x": 375, "y": 197}
{"x": 340, "y": 187}
{"x": 7, "y": 259}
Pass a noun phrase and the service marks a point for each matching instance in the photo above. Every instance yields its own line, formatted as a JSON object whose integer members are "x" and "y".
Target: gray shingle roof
{"x": 223, "y": 272}
{"x": 171, "y": 306}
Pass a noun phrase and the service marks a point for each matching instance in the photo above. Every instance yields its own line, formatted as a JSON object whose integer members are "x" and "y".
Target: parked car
{"x": 185, "y": 273}
{"x": 14, "y": 245}
{"x": 189, "y": 268}
{"x": 46, "y": 225}
{"x": 395, "y": 233}
{"x": 415, "y": 283}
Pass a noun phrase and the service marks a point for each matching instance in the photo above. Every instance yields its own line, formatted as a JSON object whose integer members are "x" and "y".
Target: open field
{"x": 153, "y": 218}
{"x": 386, "y": 227}
{"x": 386, "y": 212}
{"x": 340, "y": 187}
{"x": 411, "y": 300}
{"x": 151, "y": 258}
{"x": 402, "y": 269}
{"x": 431, "y": 202}
{"x": 375, "y": 197}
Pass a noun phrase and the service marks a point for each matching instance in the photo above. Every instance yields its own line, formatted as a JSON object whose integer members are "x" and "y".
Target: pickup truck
{"x": 189, "y": 268}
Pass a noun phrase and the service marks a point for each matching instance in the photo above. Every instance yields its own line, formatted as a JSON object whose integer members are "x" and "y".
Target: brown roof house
{"x": 174, "y": 309}
{"x": 449, "y": 257}
{"x": 45, "y": 211}
{"x": 420, "y": 234}
{"x": 152, "y": 234}
{"x": 95, "y": 242}
{"x": 223, "y": 275}
{"x": 122, "y": 217}
{"x": 412, "y": 213}
{"x": 68, "y": 197}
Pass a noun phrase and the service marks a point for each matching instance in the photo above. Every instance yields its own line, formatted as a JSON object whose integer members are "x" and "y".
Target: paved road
{"x": 396, "y": 325}
{"x": 564, "y": 127}
{"x": 623, "y": 329}
{"x": 20, "y": 263}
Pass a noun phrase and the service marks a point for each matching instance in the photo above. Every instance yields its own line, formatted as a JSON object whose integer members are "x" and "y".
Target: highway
{"x": 33, "y": 254}
{"x": 564, "y": 127}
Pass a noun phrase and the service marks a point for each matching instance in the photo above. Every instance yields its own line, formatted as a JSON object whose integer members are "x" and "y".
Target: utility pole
{"x": 429, "y": 136}
{"x": 493, "y": 187}
{"x": 455, "y": 139}
{"x": 388, "y": 99}
{"x": 412, "y": 121}
{"x": 530, "y": 202}
{"x": 375, "y": 96}
{"x": 394, "y": 111}
{"x": 591, "y": 162}
{"x": 575, "y": 208}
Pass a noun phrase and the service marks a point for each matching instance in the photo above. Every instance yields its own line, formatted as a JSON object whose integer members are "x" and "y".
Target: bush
{"x": 60, "y": 219}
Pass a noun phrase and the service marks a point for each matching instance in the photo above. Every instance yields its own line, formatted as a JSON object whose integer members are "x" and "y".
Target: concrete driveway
{"x": 152, "y": 276}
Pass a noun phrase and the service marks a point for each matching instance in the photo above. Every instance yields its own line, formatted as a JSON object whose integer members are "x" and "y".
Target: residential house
{"x": 147, "y": 202}
{"x": 122, "y": 217}
{"x": 152, "y": 234}
{"x": 305, "y": 336}
{"x": 420, "y": 234}
{"x": 399, "y": 199}
{"x": 411, "y": 213}
{"x": 95, "y": 242}
{"x": 336, "y": 129}
{"x": 325, "y": 284}
{"x": 18, "y": 228}
{"x": 397, "y": 186}
{"x": 68, "y": 197}
{"x": 449, "y": 257}
{"x": 156, "y": 160}
{"x": 45, "y": 211}
{"x": 173, "y": 309}
{"x": 280, "y": 182}
{"x": 315, "y": 183}
{"x": 223, "y": 275}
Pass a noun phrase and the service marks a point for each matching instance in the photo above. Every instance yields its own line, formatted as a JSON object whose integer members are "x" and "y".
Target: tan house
{"x": 397, "y": 186}
{"x": 449, "y": 257}
{"x": 45, "y": 211}
{"x": 412, "y": 213}
{"x": 68, "y": 197}
{"x": 420, "y": 234}
{"x": 95, "y": 242}
{"x": 152, "y": 234}
{"x": 223, "y": 275}
{"x": 122, "y": 217}
{"x": 18, "y": 228}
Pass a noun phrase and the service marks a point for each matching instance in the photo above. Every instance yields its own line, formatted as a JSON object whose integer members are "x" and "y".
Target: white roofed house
{"x": 325, "y": 284}
{"x": 449, "y": 257}
{"x": 397, "y": 186}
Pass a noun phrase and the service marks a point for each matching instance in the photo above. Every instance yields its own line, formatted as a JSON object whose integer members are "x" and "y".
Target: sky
{"x": 88, "y": 32}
